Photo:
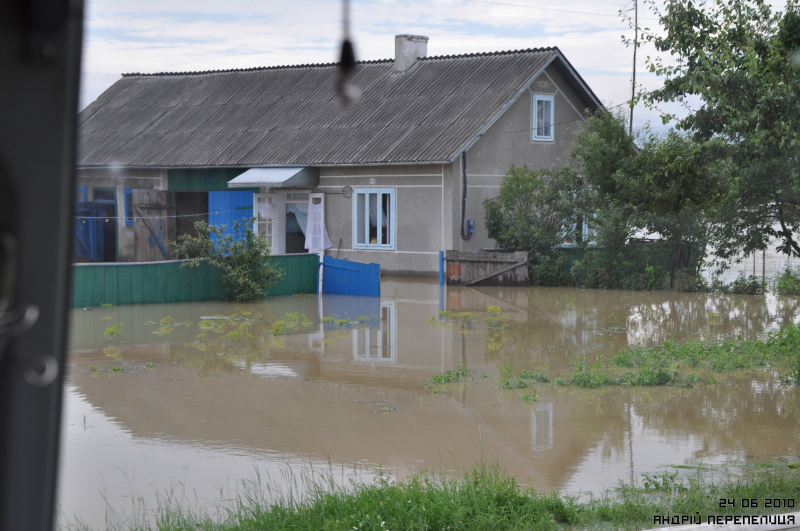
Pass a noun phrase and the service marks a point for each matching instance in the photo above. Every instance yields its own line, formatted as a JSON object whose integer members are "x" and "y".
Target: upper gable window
{"x": 543, "y": 117}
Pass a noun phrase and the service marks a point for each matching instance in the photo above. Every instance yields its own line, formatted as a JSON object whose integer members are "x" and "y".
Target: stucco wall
{"x": 119, "y": 179}
{"x": 420, "y": 231}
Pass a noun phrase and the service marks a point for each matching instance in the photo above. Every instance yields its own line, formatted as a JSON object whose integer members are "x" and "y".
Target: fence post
{"x": 441, "y": 268}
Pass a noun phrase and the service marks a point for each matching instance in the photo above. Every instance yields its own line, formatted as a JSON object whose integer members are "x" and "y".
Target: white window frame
{"x": 588, "y": 233}
{"x": 392, "y": 233}
{"x": 534, "y": 129}
{"x": 271, "y": 225}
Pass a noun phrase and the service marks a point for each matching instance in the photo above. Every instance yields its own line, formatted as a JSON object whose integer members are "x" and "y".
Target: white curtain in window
{"x": 316, "y": 236}
{"x": 373, "y": 211}
{"x": 300, "y": 211}
{"x": 267, "y": 211}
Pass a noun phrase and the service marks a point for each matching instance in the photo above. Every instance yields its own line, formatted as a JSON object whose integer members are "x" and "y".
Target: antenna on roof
{"x": 347, "y": 60}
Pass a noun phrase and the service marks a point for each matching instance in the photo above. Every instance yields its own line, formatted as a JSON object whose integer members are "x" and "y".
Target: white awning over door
{"x": 278, "y": 177}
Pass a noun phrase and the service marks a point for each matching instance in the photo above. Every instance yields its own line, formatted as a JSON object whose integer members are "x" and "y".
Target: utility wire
{"x": 552, "y": 9}
{"x": 155, "y": 217}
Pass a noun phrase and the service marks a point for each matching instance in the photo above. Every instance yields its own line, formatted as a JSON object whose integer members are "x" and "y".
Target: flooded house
{"x": 399, "y": 174}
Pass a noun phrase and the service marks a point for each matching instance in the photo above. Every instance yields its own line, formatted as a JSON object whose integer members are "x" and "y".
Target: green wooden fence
{"x": 160, "y": 282}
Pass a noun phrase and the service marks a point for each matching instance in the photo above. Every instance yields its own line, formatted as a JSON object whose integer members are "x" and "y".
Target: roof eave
{"x": 576, "y": 82}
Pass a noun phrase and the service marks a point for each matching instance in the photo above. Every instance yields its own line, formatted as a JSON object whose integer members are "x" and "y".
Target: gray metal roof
{"x": 291, "y": 116}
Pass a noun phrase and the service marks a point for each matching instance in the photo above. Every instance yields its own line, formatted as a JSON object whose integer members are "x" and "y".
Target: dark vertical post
{"x": 40, "y": 46}
{"x": 635, "y": 45}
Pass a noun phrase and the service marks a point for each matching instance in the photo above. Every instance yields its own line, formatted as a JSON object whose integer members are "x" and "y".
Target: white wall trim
{"x": 388, "y": 251}
{"x": 379, "y": 176}
{"x": 386, "y": 185}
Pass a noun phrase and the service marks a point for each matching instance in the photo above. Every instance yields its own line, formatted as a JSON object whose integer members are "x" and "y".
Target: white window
{"x": 543, "y": 117}
{"x": 573, "y": 237}
{"x": 265, "y": 214}
{"x": 373, "y": 218}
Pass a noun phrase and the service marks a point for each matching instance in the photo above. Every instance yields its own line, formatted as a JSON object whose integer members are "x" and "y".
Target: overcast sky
{"x": 190, "y": 35}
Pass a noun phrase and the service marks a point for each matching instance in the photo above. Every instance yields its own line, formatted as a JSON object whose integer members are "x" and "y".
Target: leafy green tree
{"x": 673, "y": 188}
{"x": 740, "y": 58}
{"x": 528, "y": 214}
{"x": 242, "y": 256}
{"x": 601, "y": 148}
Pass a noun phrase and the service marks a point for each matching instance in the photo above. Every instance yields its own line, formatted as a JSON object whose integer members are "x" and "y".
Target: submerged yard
{"x": 187, "y": 404}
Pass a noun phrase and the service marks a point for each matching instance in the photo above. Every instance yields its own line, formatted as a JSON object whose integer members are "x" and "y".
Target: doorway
{"x": 282, "y": 219}
{"x": 296, "y": 223}
{"x": 105, "y": 213}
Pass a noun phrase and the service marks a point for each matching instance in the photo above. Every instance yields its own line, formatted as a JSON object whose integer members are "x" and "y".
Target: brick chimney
{"x": 407, "y": 49}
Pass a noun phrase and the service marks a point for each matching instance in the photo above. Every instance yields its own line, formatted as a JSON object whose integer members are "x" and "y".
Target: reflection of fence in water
{"x": 513, "y": 301}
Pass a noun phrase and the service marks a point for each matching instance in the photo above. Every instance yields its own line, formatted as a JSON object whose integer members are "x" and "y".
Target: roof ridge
{"x": 324, "y": 65}
{"x": 251, "y": 69}
{"x": 486, "y": 54}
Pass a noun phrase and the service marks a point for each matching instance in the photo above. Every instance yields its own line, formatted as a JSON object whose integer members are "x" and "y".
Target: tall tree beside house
{"x": 742, "y": 60}
{"x": 673, "y": 188}
{"x": 242, "y": 257}
{"x": 600, "y": 149}
{"x": 669, "y": 187}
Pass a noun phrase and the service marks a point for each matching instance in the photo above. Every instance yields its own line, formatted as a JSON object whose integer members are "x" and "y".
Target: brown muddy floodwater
{"x": 191, "y": 406}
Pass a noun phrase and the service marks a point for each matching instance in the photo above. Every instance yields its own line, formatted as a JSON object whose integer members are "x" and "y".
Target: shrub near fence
{"x": 162, "y": 282}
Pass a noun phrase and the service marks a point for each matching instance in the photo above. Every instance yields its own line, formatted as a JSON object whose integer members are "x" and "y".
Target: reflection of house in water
{"x": 374, "y": 335}
{"x": 377, "y": 344}
{"x": 542, "y": 427}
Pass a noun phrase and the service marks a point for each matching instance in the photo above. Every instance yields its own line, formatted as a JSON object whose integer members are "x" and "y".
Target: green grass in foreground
{"x": 486, "y": 498}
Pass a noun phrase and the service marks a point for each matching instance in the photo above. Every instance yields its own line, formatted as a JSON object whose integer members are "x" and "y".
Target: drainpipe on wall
{"x": 464, "y": 234}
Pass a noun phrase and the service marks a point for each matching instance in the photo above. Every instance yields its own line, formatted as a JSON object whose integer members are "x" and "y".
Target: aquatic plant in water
{"x": 113, "y": 333}
{"x": 460, "y": 374}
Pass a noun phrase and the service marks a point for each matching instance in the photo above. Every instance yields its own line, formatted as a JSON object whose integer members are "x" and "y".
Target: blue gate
{"x": 350, "y": 278}
{"x": 226, "y": 207}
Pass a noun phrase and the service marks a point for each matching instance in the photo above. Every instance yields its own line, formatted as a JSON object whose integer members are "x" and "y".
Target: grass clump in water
{"x": 460, "y": 374}
{"x": 590, "y": 376}
{"x": 509, "y": 380}
{"x": 666, "y": 364}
